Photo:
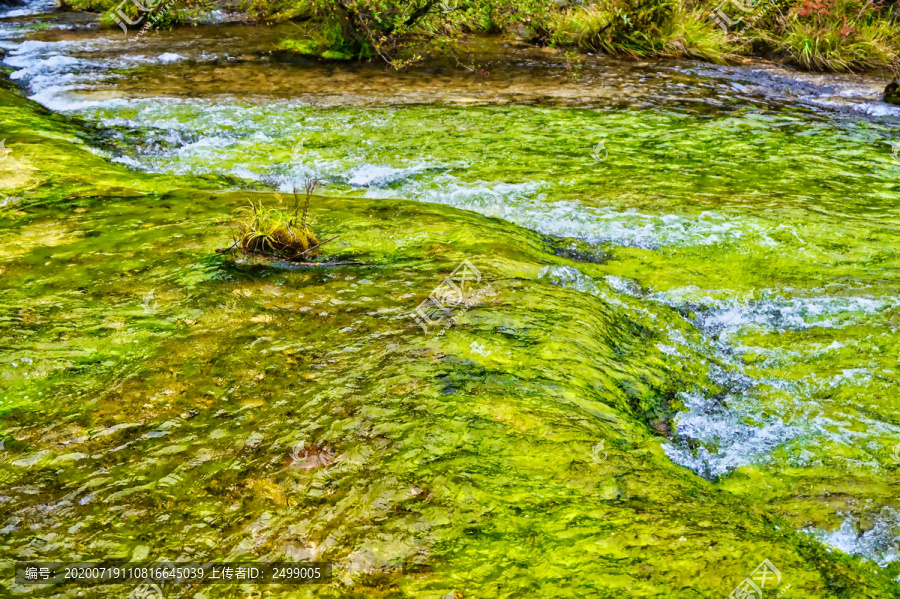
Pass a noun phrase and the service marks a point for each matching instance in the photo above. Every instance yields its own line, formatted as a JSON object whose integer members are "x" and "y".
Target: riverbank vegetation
{"x": 829, "y": 35}
{"x": 822, "y": 35}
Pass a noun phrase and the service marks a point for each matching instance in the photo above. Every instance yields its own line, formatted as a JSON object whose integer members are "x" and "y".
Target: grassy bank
{"x": 830, "y": 35}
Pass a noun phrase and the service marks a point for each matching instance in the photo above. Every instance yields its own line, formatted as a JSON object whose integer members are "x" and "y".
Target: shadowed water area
{"x": 684, "y": 361}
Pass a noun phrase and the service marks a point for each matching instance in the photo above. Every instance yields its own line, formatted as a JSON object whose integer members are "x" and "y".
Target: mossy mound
{"x": 260, "y": 229}
{"x": 311, "y": 48}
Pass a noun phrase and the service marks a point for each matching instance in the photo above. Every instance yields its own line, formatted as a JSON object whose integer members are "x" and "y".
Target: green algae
{"x": 49, "y": 160}
{"x": 159, "y": 391}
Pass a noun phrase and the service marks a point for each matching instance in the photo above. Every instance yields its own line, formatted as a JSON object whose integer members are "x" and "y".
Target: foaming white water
{"x": 368, "y": 175}
{"x": 51, "y": 73}
{"x": 524, "y": 205}
{"x": 48, "y": 71}
{"x": 29, "y": 65}
{"x": 54, "y": 97}
{"x": 841, "y": 92}
{"x": 570, "y": 277}
{"x": 714, "y": 434}
{"x": 767, "y": 309}
{"x": 877, "y": 109}
{"x": 33, "y": 7}
{"x": 879, "y": 544}
{"x": 749, "y": 416}
{"x": 170, "y": 57}
{"x": 732, "y": 426}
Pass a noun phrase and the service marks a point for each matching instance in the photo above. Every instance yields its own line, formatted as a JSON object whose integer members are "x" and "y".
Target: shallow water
{"x": 706, "y": 276}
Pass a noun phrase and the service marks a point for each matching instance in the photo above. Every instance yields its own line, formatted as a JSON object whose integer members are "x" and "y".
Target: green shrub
{"x": 832, "y": 35}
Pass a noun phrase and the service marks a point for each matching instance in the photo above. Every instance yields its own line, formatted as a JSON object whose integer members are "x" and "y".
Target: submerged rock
{"x": 892, "y": 93}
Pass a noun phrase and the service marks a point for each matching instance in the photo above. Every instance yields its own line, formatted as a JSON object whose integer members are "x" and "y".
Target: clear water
{"x": 703, "y": 274}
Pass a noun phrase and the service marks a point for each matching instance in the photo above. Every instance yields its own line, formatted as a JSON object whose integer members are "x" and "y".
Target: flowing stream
{"x": 743, "y": 220}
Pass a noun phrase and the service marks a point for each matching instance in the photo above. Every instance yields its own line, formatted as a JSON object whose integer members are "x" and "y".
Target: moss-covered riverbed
{"x": 675, "y": 357}
{"x": 154, "y": 393}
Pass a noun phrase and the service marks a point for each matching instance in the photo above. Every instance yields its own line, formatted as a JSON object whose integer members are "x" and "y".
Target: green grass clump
{"x": 632, "y": 29}
{"x": 829, "y": 35}
{"x": 259, "y": 229}
{"x": 278, "y": 10}
{"x": 90, "y": 5}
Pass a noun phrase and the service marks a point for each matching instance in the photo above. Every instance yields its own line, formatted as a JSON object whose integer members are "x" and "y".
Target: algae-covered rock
{"x": 513, "y": 448}
{"x": 892, "y": 93}
{"x": 311, "y": 48}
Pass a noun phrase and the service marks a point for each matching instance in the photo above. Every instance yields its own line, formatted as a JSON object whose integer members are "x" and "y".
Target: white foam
{"x": 368, "y": 175}
{"x": 768, "y": 310}
{"x": 54, "y": 97}
{"x": 877, "y": 109}
{"x": 170, "y": 57}
{"x": 727, "y": 432}
{"x": 523, "y": 205}
{"x": 34, "y": 7}
{"x": 879, "y": 544}
{"x": 570, "y": 278}
{"x": 623, "y": 285}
